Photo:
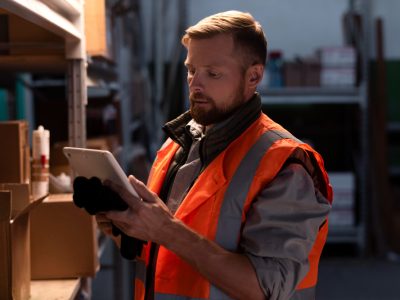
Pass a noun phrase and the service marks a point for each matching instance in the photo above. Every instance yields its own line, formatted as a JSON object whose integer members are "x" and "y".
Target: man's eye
{"x": 214, "y": 74}
{"x": 190, "y": 72}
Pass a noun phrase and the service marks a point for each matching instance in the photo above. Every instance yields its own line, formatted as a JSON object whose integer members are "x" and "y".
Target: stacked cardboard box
{"x": 15, "y": 207}
{"x": 53, "y": 239}
{"x": 302, "y": 73}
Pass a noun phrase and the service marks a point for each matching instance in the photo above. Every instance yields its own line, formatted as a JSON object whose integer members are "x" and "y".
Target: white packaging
{"x": 344, "y": 77}
{"x": 343, "y": 185}
{"x": 338, "y": 57}
{"x": 40, "y": 163}
{"x": 342, "y": 212}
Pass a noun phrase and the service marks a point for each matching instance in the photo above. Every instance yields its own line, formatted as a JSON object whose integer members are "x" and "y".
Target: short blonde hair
{"x": 247, "y": 33}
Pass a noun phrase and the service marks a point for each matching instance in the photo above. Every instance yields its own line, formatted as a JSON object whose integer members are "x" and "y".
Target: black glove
{"x": 95, "y": 197}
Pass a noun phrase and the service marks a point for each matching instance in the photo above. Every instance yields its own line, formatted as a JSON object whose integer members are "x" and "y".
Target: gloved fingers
{"x": 80, "y": 187}
{"x": 85, "y": 190}
{"x": 130, "y": 199}
{"x": 115, "y": 230}
{"x": 117, "y": 202}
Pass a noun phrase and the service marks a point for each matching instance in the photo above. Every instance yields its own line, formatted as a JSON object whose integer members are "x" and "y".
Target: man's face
{"x": 215, "y": 79}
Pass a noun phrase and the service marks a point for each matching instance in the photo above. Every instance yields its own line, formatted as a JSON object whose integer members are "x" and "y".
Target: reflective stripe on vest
{"x": 232, "y": 207}
{"x": 229, "y": 222}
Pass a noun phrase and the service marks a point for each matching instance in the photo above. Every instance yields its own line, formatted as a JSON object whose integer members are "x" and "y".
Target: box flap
{"x": 29, "y": 208}
{"x": 20, "y": 196}
{"x": 5, "y": 206}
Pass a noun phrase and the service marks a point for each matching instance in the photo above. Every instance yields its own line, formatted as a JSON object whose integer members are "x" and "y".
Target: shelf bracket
{"x": 77, "y": 100}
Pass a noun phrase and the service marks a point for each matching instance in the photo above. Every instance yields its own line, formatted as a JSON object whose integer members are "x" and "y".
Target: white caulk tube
{"x": 40, "y": 165}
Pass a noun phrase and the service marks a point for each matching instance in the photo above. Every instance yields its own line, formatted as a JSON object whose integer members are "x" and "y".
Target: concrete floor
{"x": 342, "y": 278}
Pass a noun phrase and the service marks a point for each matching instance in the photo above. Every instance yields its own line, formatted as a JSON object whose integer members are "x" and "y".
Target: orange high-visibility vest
{"x": 236, "y": 175}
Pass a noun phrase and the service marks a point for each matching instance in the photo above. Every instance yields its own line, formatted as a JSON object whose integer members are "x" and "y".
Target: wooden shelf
{"x": 56, "y": 16}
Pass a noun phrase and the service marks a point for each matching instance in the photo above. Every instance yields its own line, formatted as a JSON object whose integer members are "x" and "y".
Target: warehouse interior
{"x": 107, "y": 74}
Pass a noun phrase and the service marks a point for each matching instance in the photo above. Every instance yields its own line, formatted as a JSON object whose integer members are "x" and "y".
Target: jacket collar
{"x": 220, "y": 135}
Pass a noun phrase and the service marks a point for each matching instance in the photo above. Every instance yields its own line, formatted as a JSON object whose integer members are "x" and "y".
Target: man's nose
{"x": 196, "y": 83}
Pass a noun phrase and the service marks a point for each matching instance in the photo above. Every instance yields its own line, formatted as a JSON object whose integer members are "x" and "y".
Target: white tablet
{"x": 97, "y": 163}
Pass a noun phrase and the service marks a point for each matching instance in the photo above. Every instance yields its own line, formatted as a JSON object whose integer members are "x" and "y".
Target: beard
{"x": 213, "y": 114}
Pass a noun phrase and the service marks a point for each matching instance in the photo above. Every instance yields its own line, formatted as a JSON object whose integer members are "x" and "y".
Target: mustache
{"x": 199, "y": 96}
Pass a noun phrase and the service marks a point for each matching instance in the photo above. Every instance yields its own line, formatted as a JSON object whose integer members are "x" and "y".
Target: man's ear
{"x": 254, "y": 75}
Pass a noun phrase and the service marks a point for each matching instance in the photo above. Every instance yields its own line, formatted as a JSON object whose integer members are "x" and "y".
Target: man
{"x": 235, "y": 206}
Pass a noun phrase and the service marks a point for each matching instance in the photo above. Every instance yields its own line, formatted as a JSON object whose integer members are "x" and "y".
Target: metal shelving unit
{"x": 313, "y": 95}
{"x": 65, "y": 19}
{"x": 358, "y": 96}
{"x": 349, "y": 96}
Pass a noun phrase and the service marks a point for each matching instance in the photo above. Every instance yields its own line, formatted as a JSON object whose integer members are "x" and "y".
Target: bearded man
{"x": 235, "y": 206}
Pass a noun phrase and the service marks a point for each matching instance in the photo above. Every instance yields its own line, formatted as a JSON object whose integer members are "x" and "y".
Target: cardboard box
{"x": 15, "y": 264}
{"x": 29, "y": 47}
{"x": 63, "y": 240}
{"x": 21, "y": 196}
{"x": 302, "y": 73}
{"x": 25, "y": 36}
{"x": 312, "y": 71}
{"x": 14, "y": 152}
{"x": 293, "y": 72}
{"x": 98, "y": 29}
